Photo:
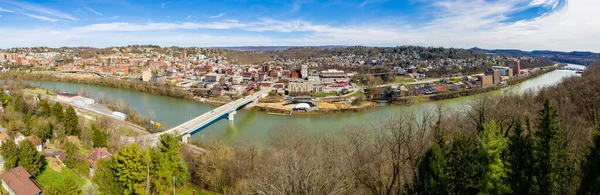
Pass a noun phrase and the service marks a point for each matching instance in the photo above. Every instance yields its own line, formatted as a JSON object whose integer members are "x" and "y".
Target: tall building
{"x": 299, "y": 89}
{"x": 515, "y": 65}
{"x": 267, "y": 67}
{"x": 304, "y": 72}
{"x": 146, "y": 76}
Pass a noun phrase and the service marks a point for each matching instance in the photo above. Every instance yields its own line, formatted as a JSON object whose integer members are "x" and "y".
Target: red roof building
{"x": 96, "y": 155}
{"x": 19, "y": 182}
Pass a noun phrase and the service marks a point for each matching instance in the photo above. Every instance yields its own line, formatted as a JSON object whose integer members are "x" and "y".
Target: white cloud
{"x": 479, "y": 23}
{"x": 217, "y": 16}
{"x": 6, "y": 10}
{"x": 44, "y": 18}
{"x": 93, "y": 11}
{"x": 42, "y": 10}
{"x": 162, "y": 5}
{"x": 367, "y": 2}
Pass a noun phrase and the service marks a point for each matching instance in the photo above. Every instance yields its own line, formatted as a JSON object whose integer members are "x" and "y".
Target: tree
{"x": 75, "y": 159}
{"x": 68, "y": 186}
{"x": 43, "y": 129}
{"x": 168, "y": 164}
{"x": 129, "y": 168}
{"x": 462, "y": 175}
{"x": 431, "y": 177}
{"x": 591, "y": 168}
{"x": 100, "y": 138}
{"x": 551, "y": 152}
{"x": 30, "y": 158}
{"x": 57, "y": 111}
{"x": 521, "y": 162}
{"x": 10, "y": 152}
{"x": 490, "y": 145}
{"x": 20, "y": 105}
{"x": 45, "y": 109}
{"x": 71, "y": 121}
{"x": 106, "y": 177}
{"x": 87, "y": 137}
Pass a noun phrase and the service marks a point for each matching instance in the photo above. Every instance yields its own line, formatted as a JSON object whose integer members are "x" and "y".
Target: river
{"x": 255, "y": 126}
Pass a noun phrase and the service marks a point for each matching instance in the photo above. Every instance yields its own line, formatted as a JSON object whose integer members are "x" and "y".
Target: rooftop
{"x": 20, "y": 182}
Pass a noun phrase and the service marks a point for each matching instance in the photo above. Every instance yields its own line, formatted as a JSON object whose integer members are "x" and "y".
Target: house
{"x": 2, "y": 139}
{"x": 18, "y": 181}
{"x": 217, "y": 92}
{"x": 19, "y": 137}
{"x": 96, "y": 155}
{"x": 35, "y": 141}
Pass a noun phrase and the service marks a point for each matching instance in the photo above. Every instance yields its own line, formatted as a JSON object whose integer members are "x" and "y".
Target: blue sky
{"x": 522, "y": 24}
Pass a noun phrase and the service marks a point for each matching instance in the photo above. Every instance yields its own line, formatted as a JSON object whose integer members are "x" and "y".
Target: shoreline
{"x": 180, "y": 94}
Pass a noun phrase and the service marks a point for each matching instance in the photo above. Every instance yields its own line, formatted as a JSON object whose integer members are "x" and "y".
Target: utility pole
{"x": 173, "y": 178}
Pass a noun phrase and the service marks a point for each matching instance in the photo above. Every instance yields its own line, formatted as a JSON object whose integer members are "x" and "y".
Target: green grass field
{"x": 333, "y": 93}
{"x": 50, "y": 177}
{"x": 404, "y": 80}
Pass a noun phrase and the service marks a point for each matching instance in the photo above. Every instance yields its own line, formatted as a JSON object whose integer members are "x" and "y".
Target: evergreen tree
{"x": 30, "y": 158}
{"x": 100, "y": 138}
{"x": 551, "y": 152}
{"x": 20, "y": 105}
{"x": 57, "y": 111}
{"x": 68, "y": 186}
{"x": 10, "y": 152}
{"x": 106, "y": 178}
{"x": 167, "y": 163}
{"x": 591, "y": 168}
{"x": 490, "y": 145}
{"x": 521, "y": 162}
{"x": 461, "y": 174}
{"x": 71, "y": 122}
{"x": 431, "y": 175}
{"x": 45, "y": 109}
{"x": 130, "y": 169}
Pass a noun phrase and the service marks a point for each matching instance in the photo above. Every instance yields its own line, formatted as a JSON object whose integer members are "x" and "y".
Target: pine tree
{"x": 550, "y": 152}
{"x": 100, "y": 138}
{"x": 167, "y": 163}
{"x": 130, "y": 169}
{"x": 68, "y": 186}
{"x": 590, "y": 168}
{"x": 71, "y": 122}
{"x": 462, "y": 175}
{"x": 20, "y": 105}
{"x": 30, "y": 158}
{"x": 521, "y": 162}
{"x": 106, "y": 178}
{"x": 45, "y": 109}
{"x": 10, "y": 152}
{"x": 490, "y": 145}
{"x": 431, "y": 175}
{"x": 57, "y": 111}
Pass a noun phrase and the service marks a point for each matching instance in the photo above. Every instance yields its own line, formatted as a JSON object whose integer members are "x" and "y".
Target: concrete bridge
{"x": 186, "y": 129}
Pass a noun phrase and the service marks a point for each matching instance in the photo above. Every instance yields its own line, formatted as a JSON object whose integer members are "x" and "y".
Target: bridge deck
{"x": 206, "y": 118}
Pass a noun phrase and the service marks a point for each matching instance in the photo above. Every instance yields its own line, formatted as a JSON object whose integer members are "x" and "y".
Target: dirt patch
{"x": 54, "y": 164}
{"x": 327, "y": 105}
{"x": 279, "y": 106}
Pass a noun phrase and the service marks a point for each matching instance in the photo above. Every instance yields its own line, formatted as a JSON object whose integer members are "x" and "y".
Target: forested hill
{"x": 574, "y": 57}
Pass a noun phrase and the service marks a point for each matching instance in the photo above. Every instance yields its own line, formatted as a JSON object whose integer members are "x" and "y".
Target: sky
{"x": 563, "y": 25}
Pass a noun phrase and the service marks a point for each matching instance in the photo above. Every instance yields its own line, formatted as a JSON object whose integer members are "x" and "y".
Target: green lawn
{"x": 404, "y": 80}
{"x": 333, "y": 93}
{"x": 50, "y": 177}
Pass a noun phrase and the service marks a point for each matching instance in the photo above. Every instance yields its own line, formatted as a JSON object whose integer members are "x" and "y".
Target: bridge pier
{"x": 230, "y": 115}
{"x": 185, "y": 138}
